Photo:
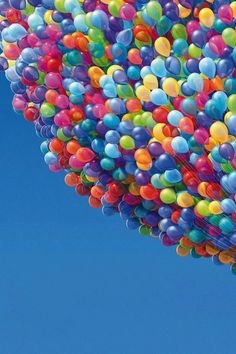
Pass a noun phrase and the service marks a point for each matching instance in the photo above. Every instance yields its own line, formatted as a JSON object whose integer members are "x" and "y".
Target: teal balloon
{"x": 163, "y": 25}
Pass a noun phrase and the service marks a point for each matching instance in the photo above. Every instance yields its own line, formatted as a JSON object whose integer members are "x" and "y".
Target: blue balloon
{"x": 173, "y": 65}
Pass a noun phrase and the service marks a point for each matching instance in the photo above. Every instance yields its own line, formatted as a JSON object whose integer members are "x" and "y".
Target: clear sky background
{"x": 75, "y": 282}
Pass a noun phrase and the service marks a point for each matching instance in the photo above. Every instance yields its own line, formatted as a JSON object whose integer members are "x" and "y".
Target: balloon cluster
{"x": 136, "y": 101}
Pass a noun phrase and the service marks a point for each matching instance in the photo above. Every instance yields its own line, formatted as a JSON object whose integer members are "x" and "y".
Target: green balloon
{"x": 47, "y": 110}
{"x": 144, "y": 230}
{"x": 179, "y": 31}
{"x": 229, "y": 37}
{"x": 154, "y": 10}
{"x": 127, "y": 142}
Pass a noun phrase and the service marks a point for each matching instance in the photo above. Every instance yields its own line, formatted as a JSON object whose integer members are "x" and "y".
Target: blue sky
{"x": 75, "y": 282}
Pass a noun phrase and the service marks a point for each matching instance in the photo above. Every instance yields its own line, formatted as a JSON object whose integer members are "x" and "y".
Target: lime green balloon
{"x": 125, "y": 91}
{"x": 47, "y": 110}
{"x": 59, "y": 5}
{"x": 139, "y": 120}
{"x": 149, "y": 121}
{"x": 229, "y": 37}
{"x": 179, "y": 31}
{"x": 28, "y": 10}
{"x": 226, "y": 167}
{"x": 232, "y": 103}
{"x": 203, "y": 208}
{"x": 96, "y": 35}
{"x": 164, "y": 182}
{"x": 168, "y": 196}
{"x": 114, "y": 7}
{"x": 194, "y": 51}
{"x": 127, "y": 142}
{"x": 41, "y": 78}
{"x": 154, "y": 10}
{"x": 61, "y": 136}
{"x": 144, "y": 230}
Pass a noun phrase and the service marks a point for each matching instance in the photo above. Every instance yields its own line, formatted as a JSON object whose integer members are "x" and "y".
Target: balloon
{"x": 136, "y": 102}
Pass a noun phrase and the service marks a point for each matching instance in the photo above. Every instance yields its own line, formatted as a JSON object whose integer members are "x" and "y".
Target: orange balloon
{"x": 72, "y": 179}
{"x": 186, "y": 125}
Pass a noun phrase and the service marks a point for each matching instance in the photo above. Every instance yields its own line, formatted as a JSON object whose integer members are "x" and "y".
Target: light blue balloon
{"x": 29, "y": 56}
{"x": 179, "y": 145}
{"x": 232, "y": 181}
{"x": 125, "y": 37}
{"x": 50, "y": 158}
{"x": 228, "y": 206}
{"x": 146, "y": 70}
{"x": 112, "y": 150}
{"x": 76, "y": 89}
{"x": 174, "y": 117}
{"x": 80, "y": 24}
{"x": 35, "y": 20}
{"x": 225, "y": 184}
{"x": 207, "y": 52}
{"x": 172, "y": 176}
{"x": 207, "y": 67}
{"x": 231, "y": 124}
{"x": 99, "y": 19}
{"x": 158, "y": 67}
{"x": 195, "y": 82}
{"x": 71, "y": 5}
{"x": 221, "y": 100}
{"x": 155, "y": 181}
{"x": 109, "y": 90}
{"x": 158, "y": 97}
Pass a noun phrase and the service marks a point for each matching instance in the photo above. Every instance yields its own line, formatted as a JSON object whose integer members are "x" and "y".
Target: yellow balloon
{"x": 171, "y": 87}
{"x": 162, "y": 46}
{"x": 211, "y": 249}
{"x": 134, "y": 188}
{"x": 113, "y": 68}
{"x": 185, "y": 200}
{"x": 183, "y": 11}
{"x": 226, "y": 257}
{"x": 202, "y": 189}
{"x": 219, "y": 132}
{"x": 182, "y": 251}
{"x": 233, "y": 7}
{"x": 207, "y": 17}
{"x": 215, "y": 208}
{"x": 150, "y": 82}
{"x": 211, "y": 144}
{"x": 158, "y": 132}
{"x": 226, "y": 117}
{"x": 144, "y": 167}
{"x": 143, "y": 93}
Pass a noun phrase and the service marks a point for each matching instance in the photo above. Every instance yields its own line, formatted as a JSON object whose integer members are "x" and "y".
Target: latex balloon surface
{"x": 136, "y": 102}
